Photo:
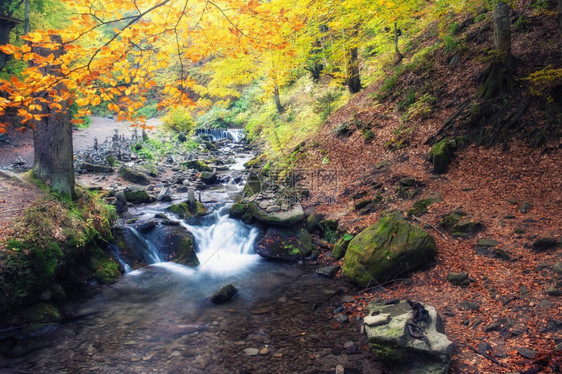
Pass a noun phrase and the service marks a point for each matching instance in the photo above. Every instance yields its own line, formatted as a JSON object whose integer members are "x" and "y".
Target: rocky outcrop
{"x": 175, "y": 243}
{"x": 390, "y": 248}
{"x": 284, "y": 244}
{"x": 405, "y": 348}
{"x": 284, "y": 218}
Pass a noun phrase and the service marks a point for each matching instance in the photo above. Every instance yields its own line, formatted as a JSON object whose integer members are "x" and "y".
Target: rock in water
{"x": 390, "y": 248}
{"x": 224, "y": 294}
{"x": 402, "y": 353}
{"x": 284, "y": 244}
{"x": 120, "y": 203}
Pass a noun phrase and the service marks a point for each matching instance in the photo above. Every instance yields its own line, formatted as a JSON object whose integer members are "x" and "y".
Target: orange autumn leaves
{"x": 114, "y": 51}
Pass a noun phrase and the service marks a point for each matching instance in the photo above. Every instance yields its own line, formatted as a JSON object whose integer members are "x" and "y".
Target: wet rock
{"x": 545, "y": 243}
{"x": 164, "y": 195}
{"x": 208, "y": 177}
{"x": 133, "y": 176}
{"x": 238, "y": 209}
{"x": 387, "y": 249}
{"x": 401, "y": 352}
{"x": 328, "y": 271}
{"x": 223, "y": 295}
{"x": 197, "y": 165}
{"x": 41, "y": 313}
{"x": 284, "y": 244}
{"x": 175, "y": 243}
{"x": 94, "y": 168}
{"x": 120, "y": 203}
{"x": 253, "y": 185}
{"x": 183, "y": 210}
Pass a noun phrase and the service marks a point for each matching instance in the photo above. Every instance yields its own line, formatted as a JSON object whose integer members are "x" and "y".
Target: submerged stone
{"x": 224, "y": 294}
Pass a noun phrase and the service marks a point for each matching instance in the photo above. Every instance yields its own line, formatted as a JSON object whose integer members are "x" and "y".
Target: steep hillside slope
{"x": 506, "y": 178}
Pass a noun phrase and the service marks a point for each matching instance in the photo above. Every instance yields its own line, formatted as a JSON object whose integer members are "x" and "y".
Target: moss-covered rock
{"x": 420, "y": 207}
{"x": 224, "y": 294}
{"x": 197, "y": 165}
{"x": 133, "y": 176}
{"x": 341, "y": 247}
{"x": 104, "y": 267}
{"x": 284, "y": 244}
{"x": 208, "y": 177}
{"x": 441, "y": 154}
{"x": 183, "y": 210}
{"x": 253, "y": 185}
{"x": 238, "y": 209}
{"x": 390, "y": 248}
{"x": 41, "y": 313}
{"x": 136, "y": 195}
{"x": 458, "y": 224}
{"x": 175, "y": 243}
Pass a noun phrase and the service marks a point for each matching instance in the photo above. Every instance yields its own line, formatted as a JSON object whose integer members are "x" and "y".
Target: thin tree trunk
{"x": 26, "y": 22}
{"x": 52, "y": 138}
{"x": 502, "y": 27}
{"x": 396, "y": 36}
{"x": 277, "y": 99}
{"x": 560, "y": 21}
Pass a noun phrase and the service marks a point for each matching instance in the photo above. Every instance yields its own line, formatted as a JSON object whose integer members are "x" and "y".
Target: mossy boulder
{"x": 253, "y": 185}
{"x": 341, "y": 247}
{"x": 41, "y": 313}
{"x": 136, "y": 195}
{"x": 208, "y": 177}
{"x": 441, "y": 154}
{"x": 458, "y": 224}
{"x": 390, "y": 248}
{"x": 104, "y": 267}
{"x": 183, "y": 210}
{"x": 95, "y": 168}
{"x": 197, "y": 165}
{"x": 292, "y": 217}
{"x": 284, "y": 244}
{"x": 133, "y": 176}
{"x": 238, "y": 209}
{"x": 175, "y": 243}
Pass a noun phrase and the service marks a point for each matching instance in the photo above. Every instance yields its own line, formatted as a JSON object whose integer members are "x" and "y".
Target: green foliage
{"x": 325, "y": 103}
{"x": 422, "y": 107}
{"x": 368, "y": 135}
{"x": 143, "y": 152}
{"x": 388, "y": 87}
{"x": 178, "y": 119}
{"x": 149, "y": 110}
{"x": 451, "y": 44}
{"x": 409, "y": 99}
{"x": 343, "y": 130}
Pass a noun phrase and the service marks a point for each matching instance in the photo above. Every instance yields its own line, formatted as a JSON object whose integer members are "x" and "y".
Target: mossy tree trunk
{"x": 499, "y": 77}
{"x": 277, "y": 98}
{"x": 353, "y": 80}
{"x": 52, "y": 138}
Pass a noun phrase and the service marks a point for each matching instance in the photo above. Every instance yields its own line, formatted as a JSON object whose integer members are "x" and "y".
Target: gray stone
{"x": 94, "y": 168}
{"x": 468, "y": 305}
{"x": 328, "y": 271}
{"x": 458, "y": 279}
{"x": 252, "y": 351}
{"x": 137, "y": 195}
{"x": 164, "y": 195}
{"x": 120, "y": 202}
{"x": 553, "y": 291}
{"x": 263, "y": 205}
{"x": 487, "y": 243}
{"x": 291, "y": 217}
{"x": 525, "y": 207}
{"x": 557, "y": 268}
{"x": 133, "y": 176}
{"x": 545, "y": 243}
{"x": 340, "y": 369}
{"x": 379, "y": 319}
{"x": 350, "y": 347}
{"x": 402, "y": 353}
{"x": 341, "y": 318}
{"x": 526, "y": 353}
{"x": 208, "y": 177}
{"x": 545, "y": 304}
{"x": 273, "y": 209}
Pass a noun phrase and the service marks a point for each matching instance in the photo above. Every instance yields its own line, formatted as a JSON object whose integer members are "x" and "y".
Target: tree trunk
{"x": 499, "y": 77}
{"x": 396, "y": 36}
{"x": 52, "y": 138}
{"x": 26, "y": 22}
{"x": 277, "y": 99}
{"x": 560, "y": 21}
{"x": 353, "y": 80}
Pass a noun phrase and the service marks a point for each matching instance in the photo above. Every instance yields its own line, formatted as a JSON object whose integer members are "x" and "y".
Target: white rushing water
{"x": 224, "y": 245}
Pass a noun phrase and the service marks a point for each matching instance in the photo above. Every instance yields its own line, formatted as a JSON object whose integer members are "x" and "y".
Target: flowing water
{"x": 158, "y": 319}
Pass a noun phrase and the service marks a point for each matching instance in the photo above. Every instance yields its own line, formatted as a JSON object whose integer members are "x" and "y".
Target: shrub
{"x": 178, "y": 119}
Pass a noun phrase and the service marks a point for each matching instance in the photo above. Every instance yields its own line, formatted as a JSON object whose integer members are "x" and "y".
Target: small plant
{"x": 409, "y": 99}
{"x": 421, "y": 107}
{"x": 368, "y": 136}
{"x": 388, "y": 86}
{"x": 343, "y": 130}
{"x": 325, "y": 104}
{"x": 325, "y": 160}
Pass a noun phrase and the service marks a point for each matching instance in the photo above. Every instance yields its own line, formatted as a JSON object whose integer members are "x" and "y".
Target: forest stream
{"x": 159, "y": 318}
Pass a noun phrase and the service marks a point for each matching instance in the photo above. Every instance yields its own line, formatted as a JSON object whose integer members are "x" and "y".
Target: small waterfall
{"x": 117, "y": 255}
{"x": 224, "y": 245}
{"x": 235, "y": 135}
{"x": 148, "y": 249}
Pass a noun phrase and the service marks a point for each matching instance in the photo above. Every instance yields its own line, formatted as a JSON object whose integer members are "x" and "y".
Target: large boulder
{"x": 284, "y": 244}
{"x": 291, "y": 217}
{"x": 185, "y": 210}
{"x": 197, "y": 165}
{"x": 133, "y": 176}
{"x": 134, "y": 249}
{"x": 208, "y": 177}
{"x": 389, "y": 336}
{"x": 390, "y": 248}
{"x": 175, "y": 243}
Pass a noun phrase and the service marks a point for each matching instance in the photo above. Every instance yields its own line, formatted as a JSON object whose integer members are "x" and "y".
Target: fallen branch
{"x": 432, "y": 226}
{"x": 485, "y": 355}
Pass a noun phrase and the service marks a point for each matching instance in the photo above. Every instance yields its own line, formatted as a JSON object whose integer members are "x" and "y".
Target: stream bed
{"x": 159, "y": 318}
